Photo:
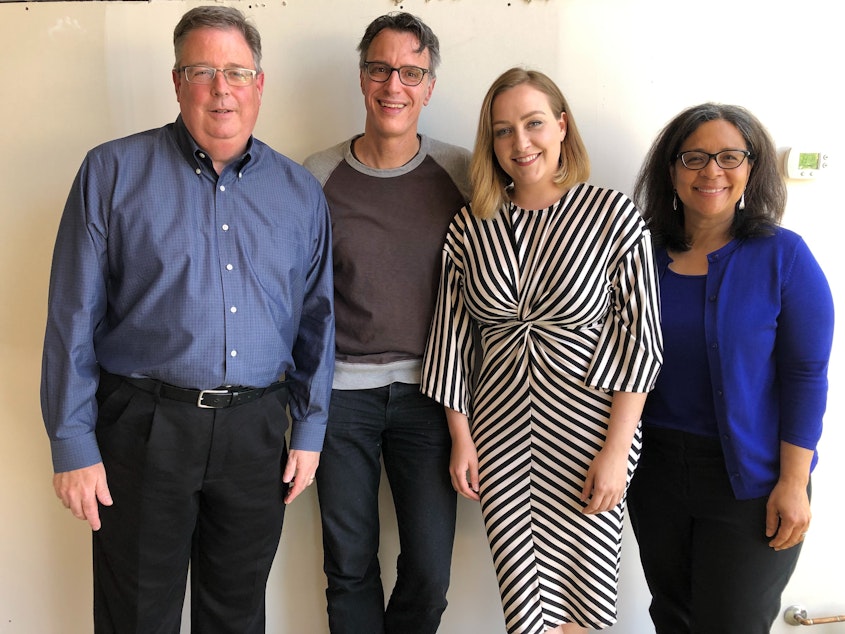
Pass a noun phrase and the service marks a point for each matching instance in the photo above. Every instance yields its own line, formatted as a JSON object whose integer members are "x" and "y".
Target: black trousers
{"x": 705, "y": 554}
{"x": 191, "y": 486}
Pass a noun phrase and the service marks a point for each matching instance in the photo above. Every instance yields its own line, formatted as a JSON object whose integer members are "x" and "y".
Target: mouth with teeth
{"x": 525, "y": 160}
{"x": 388, "y": 105}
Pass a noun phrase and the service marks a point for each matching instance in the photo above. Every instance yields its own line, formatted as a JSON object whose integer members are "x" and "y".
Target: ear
{"x": 562, "y": 123}
{"x": 177, "y": 81}
{"x": 259, "y": 85}
{"x": 429, "y": 89}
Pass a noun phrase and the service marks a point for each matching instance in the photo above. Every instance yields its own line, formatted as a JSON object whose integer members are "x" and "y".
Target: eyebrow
{"x": 528, "y": 115}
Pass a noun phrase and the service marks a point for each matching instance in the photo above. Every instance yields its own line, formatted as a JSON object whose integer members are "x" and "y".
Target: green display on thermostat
{"x": 808, "y": 161}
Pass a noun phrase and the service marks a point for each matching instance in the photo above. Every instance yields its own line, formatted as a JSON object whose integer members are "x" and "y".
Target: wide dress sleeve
{"x": 448, "y": 358}
{"x": 629, "y": 353}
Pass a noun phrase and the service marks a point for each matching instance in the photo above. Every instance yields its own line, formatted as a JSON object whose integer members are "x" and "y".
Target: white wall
{"x": 76, "y": 74}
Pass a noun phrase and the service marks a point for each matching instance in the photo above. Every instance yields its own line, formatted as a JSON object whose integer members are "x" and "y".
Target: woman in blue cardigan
{"x": 720, "y": 502}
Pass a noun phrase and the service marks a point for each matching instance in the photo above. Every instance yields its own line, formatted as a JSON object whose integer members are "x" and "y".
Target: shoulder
{"x": 440, "y": 150}
{"x": 292, "y": 171}
{"x": 783, "y": 255}
{"x": 454, "y": 160}
{"x": 788, "y": 238}
{"x": 780, "y": 243}
{"x": 146, "y": 140}
{"x": 463, "y": 222}
{"x": 321, "y": 164}
{"x": 603, "y": 195}
{"x": 130, "y": 157}
{"x": 617, "y": 206}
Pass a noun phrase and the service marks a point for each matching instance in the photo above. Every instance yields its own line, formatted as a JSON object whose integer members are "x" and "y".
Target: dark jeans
{"x": 705, "y": 554}
{"x": 190, "y": 485}
{"x": 408, "y": 431}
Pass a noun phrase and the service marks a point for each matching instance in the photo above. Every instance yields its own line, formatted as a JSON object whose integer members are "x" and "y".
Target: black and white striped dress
{"x": 564, "y": 301}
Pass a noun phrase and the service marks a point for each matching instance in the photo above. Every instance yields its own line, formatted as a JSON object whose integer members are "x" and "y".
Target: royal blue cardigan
{"x": 768, "y": 322}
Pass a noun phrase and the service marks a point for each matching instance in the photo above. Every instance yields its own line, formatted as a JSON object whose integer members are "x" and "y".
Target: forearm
{"x": 458, "y": 425}
{"x": 795, "y": 464}
{"x": 625, "y": 413}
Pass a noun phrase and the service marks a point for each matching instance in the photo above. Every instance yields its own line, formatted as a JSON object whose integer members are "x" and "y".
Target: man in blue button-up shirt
{"x": 190, "y": 305}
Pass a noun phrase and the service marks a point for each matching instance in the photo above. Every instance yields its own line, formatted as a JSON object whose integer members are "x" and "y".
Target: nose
{"x": 219, "y": 85}
{"x": 521, "y": 139}
{"x": 391, "y": 78}
{"x": 712, "y": 167}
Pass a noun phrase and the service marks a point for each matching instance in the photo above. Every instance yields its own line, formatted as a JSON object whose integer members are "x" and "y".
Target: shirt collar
{"x": 198, "y": 158}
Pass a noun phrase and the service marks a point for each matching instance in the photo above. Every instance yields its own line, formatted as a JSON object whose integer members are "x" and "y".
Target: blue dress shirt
{"x": 164, "y": 269}
{"x": 768, "y": 328}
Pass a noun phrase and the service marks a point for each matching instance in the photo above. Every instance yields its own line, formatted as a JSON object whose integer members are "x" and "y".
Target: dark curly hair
{"x": 765, "y": 193}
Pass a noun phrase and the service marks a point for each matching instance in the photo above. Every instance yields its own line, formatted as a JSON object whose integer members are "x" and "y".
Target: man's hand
{"x": 299, "y": 472}
{"x": 81, "y": 489}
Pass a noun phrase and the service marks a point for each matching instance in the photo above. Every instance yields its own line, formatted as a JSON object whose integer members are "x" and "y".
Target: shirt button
{"x": 222, "y": 188}
{"x": 233, "y": 353}
{"x": 229, "y": 267}
{"x": 233, "y": 309}
{"x": 199, "y": 171}
{"x": 225, "y": 227}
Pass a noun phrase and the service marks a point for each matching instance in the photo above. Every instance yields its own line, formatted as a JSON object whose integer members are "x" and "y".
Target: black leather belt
{"x": 229, "y": 396}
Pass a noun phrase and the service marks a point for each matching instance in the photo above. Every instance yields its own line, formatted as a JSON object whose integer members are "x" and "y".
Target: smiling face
{"x": 527, "y": 139}
{"x": 393, "y": 109}
{"x": 220, "y": 117}
{"x": 710, "y": 194}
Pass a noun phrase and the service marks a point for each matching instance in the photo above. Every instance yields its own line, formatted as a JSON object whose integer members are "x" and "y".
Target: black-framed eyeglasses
{"x": 408, "y": 75}
{"x": 206, "y": 74}
{"x": 726, "y": 159}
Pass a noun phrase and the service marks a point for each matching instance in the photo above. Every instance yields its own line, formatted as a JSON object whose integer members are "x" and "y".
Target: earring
{"x": 675, "y": 201}
{"x": 741, "y": 205}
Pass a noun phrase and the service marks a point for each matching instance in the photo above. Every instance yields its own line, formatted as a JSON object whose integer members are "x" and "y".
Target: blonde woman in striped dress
{"x": 544, "y": 344}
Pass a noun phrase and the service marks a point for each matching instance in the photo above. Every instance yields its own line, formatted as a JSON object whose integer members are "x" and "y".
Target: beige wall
{"x": 76, "y": 74}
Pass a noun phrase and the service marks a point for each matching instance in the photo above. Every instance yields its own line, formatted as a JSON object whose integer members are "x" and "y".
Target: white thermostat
{"x": 805, "y": 164}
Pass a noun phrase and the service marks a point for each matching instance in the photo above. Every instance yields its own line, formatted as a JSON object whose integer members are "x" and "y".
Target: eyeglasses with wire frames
{"x": 408, "y": 75}
{"x": 205, "y": 75}
{"x": 726, "y": 159}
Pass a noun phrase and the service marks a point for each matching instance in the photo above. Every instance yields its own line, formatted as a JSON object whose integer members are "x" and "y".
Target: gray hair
{"x": 217, "y": 17}
{"x": 404, "y": 23}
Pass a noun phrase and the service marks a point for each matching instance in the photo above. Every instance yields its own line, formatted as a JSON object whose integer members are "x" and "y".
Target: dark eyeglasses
{"x": 408, "y": 75}
{"x": 726, "y": 159}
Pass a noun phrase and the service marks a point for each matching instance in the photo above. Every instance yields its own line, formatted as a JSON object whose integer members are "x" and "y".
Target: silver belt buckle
{"x": 202, "y": 395}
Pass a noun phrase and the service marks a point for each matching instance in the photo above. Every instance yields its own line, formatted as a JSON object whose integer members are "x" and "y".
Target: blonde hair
{"x": 489, "y": 180}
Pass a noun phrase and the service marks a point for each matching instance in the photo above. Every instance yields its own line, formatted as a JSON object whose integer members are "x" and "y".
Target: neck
{"x": 385, "y": 152}
{"x": 223, "y": 154}
{"x": 707, "y": 237}
{"x": 539, "y": 196}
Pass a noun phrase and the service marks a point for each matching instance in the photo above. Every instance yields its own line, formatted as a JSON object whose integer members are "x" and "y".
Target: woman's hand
{"x": 463, "y": 465}
{"x": 788, "y": 509}
{"x": 787, "y": 515}
{"x": 607, "y": 477}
